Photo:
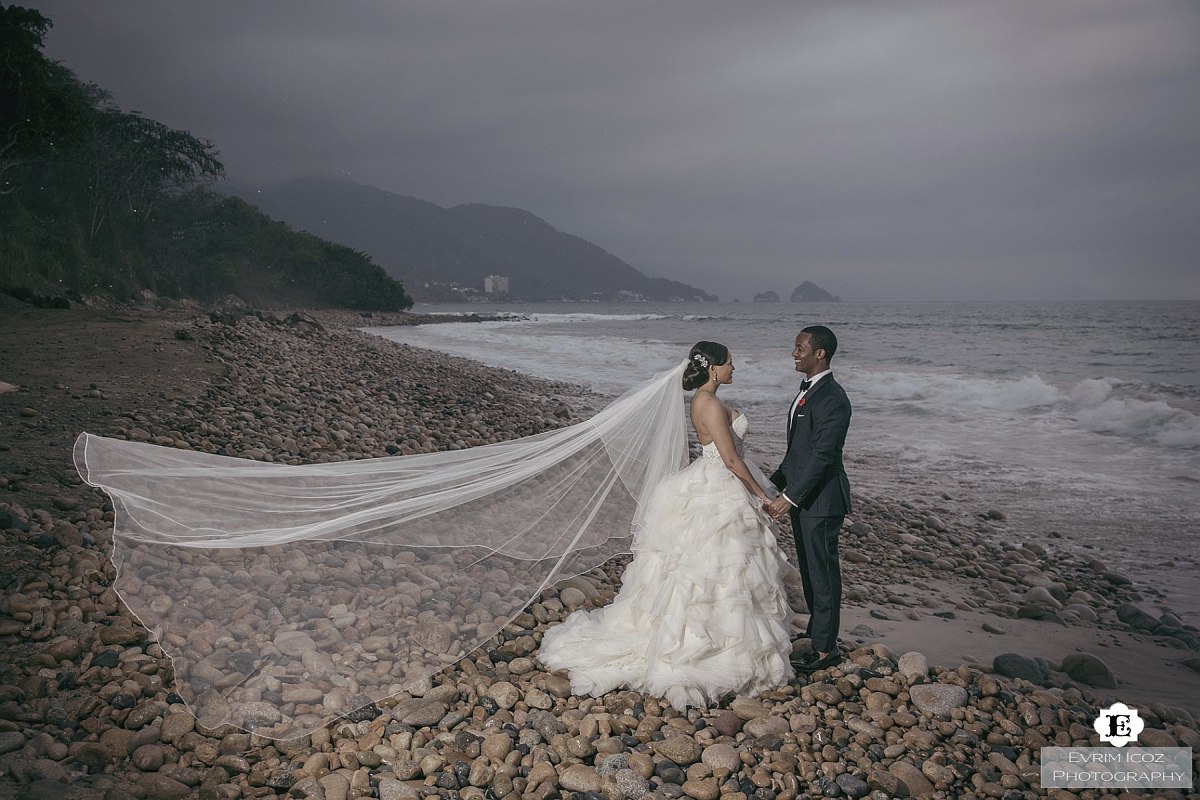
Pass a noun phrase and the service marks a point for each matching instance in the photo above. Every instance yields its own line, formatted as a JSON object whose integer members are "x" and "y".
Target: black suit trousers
{"x": 821, "y": 573}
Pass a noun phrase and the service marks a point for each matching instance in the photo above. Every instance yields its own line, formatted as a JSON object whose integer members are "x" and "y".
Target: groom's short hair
{"x": 822, "y": 339}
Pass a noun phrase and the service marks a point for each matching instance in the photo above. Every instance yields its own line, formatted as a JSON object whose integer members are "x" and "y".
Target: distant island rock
{"x": 766, "y": 297}
{"x": 809, "y": 292}
{"x": 471, "y": 252}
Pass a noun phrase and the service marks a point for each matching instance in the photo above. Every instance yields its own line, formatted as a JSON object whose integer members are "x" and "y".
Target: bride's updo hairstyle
{"x": 703, "y": 356}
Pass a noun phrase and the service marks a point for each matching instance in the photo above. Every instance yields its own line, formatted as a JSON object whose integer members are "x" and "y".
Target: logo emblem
{"x": 1118, "y": 725}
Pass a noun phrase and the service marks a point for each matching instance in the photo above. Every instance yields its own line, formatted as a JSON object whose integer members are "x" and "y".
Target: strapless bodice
{"x": 740, "y": 427}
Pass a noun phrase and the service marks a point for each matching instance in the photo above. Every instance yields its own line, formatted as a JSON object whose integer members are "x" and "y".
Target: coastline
{"x": 1050, "y": 444}
{"x": 937, "y": 575}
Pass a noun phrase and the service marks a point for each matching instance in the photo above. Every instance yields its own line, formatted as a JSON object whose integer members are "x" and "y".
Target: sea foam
{"x": 1111, "y": 406}
{"x": 953, "y": 391}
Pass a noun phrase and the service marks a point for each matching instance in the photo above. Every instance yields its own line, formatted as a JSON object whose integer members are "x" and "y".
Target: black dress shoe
{"x": 811, "y": 662}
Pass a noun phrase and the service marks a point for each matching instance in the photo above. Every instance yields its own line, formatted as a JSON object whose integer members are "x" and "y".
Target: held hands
{"x": 777, "y": 508}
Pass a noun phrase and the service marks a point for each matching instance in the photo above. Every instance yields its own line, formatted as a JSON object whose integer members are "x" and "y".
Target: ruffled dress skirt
{"x": 702, "y": 611}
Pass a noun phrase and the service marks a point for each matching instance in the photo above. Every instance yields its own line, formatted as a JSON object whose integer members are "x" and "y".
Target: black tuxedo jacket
{"x": 812, "y": 473}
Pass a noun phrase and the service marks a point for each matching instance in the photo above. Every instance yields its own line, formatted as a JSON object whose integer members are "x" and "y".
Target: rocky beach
{"x": 970, "y": 645}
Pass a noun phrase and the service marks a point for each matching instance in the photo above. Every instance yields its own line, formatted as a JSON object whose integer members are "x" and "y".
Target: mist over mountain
{"x": 449, "y": 253}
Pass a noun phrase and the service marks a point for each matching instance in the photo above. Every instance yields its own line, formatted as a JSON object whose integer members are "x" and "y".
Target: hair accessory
{"x": 701, "y": 359}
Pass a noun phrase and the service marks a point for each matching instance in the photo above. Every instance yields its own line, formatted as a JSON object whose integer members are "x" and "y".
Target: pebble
{"x": 1089, "y": 669}
{"x": 149, "y": 757}
{"x": 914, "y": 666}
{"x": 423, "y": 715}
{"x": 580, "y": 778}
{"x": 1137, "y": 617}
{"x": 939, "y": 774}
{"x": 631, "y": 785}
{"x": 748, "y": 708}
{"x": 767, "y": 726}
{"x": 1015, "y": 665}
{"x": 163, "y": 787}
{"x": 879, "y": 779}
{"x": 1040, "y": 595}
{"x": 668, "y": 772}
{"x": 914, "y": 779}
{"x": 938, "y": 699}
{"x": 722, "y": 756}
{"x": 852, "y": 785}
{"x": 557, "y": 686}
{"x": 497, "y": 746}
{"x": 504, "y": 693}
{"x": 825, "y": 693}
{"x": 392, "y": 789}
{"x": 728, "y": 723}
{"x": 572, "y": 598}
{"x": 681, "y": 749}
{"x": 335, "y": 786}
{"x": 65, "y": 650}
{"x": 703, "y": 789}
{"x": 1154, "y": 737}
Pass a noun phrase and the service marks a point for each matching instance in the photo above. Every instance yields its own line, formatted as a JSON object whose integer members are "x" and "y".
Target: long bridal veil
{"x": 287, "y": 596}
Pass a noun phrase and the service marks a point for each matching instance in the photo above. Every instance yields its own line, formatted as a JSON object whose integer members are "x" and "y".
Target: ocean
{"x": 1079, "y": 421}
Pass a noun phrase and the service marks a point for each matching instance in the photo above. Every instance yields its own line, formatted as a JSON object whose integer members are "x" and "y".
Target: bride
{"x": 702, "y": 610}
{"x": 289, "y": 596}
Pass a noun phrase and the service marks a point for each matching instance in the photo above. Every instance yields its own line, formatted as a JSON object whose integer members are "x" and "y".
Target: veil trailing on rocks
{"x": 288, "y": 596}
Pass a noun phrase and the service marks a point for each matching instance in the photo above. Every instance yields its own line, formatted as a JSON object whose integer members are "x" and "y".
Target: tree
{"x": 43, "y": 107}
{"x": 132, "y": 162}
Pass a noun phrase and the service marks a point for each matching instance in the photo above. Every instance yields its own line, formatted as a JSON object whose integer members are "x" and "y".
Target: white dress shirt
{"x": 812, "y": 382}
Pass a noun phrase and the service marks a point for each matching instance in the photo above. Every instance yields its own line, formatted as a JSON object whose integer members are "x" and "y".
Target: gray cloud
{"x": 915, "y": 150}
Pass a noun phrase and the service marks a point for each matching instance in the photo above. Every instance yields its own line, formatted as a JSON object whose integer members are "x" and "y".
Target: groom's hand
{"x": 778, "y": 507}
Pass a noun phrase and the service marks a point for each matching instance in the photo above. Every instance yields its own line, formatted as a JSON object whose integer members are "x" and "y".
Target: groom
{"x": 815, "y": 491}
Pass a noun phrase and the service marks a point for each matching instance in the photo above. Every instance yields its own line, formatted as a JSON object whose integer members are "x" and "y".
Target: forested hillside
{"x": 96, "y": 200}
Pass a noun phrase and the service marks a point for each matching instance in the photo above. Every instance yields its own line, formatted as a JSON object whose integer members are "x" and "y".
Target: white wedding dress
{"x": 702, "y": 610}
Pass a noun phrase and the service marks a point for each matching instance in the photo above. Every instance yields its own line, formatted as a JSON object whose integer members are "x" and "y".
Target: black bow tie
{"x": 805, "y": 385}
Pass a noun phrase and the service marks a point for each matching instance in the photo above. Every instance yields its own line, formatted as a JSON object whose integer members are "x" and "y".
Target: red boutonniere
{"x": 803, "y": 400}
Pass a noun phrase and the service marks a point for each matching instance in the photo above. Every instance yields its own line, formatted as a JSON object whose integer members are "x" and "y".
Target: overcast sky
{"x": 915, "y": 150}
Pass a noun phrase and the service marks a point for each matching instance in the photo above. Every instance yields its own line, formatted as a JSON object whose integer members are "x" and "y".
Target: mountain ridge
{"x": 447, "y": 253}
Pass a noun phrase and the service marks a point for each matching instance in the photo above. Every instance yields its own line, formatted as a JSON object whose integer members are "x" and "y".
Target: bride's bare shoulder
{"x": 708, "y": 407}
{"x": 706, "y": 400}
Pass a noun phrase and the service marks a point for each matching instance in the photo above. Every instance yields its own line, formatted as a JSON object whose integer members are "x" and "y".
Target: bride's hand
{"x": 778, "y": 507}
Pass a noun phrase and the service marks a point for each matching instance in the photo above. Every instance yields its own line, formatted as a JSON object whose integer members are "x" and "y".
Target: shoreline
{"x": 159, "y": 376}
{"x": 1043, "y": 507}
